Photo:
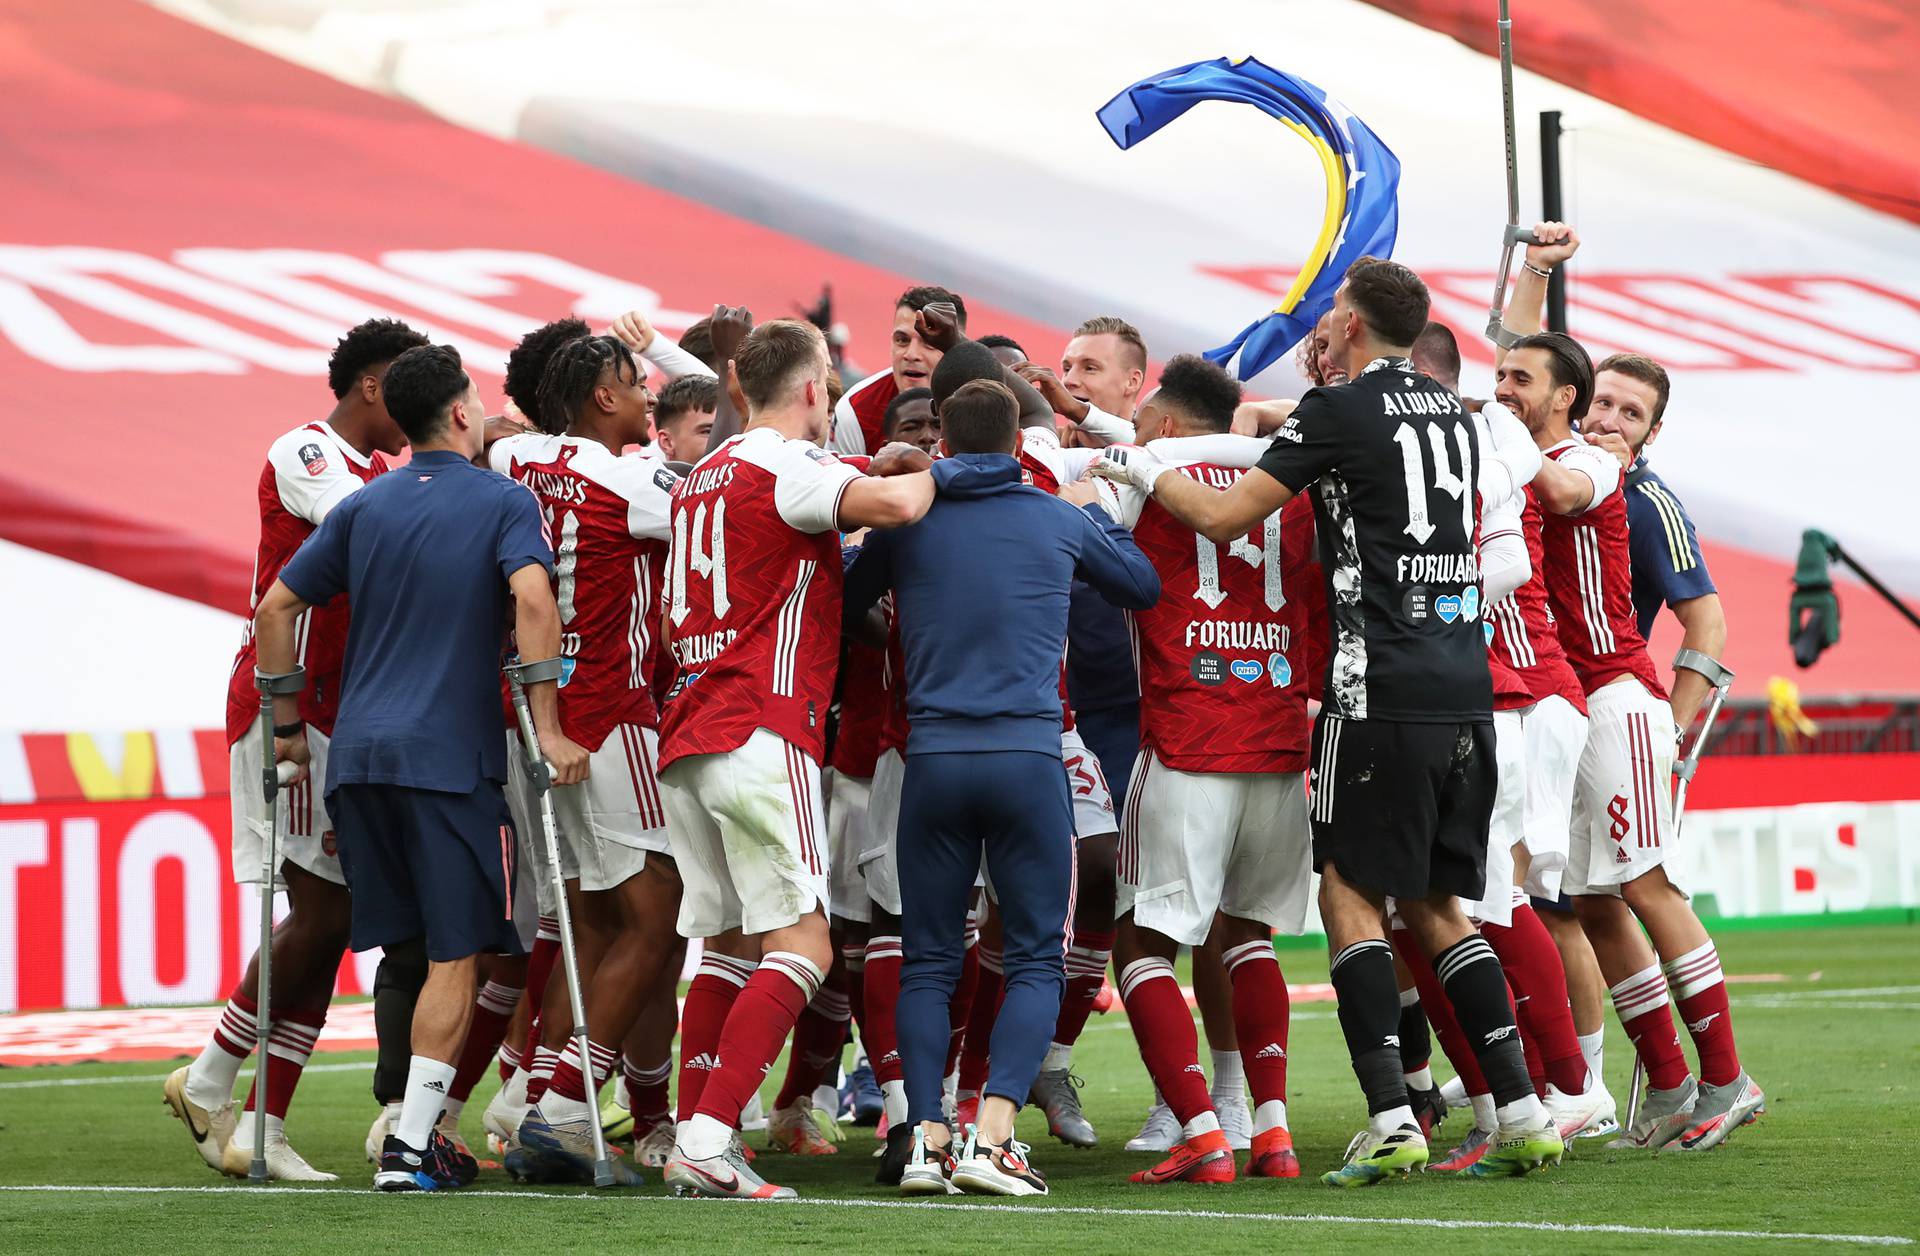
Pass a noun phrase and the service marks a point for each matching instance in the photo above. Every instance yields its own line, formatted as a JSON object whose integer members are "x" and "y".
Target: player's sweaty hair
{"x": 421, "y": 385}
{"x": 1643, "y": 368}
{"x": 774, "y": 355}
{"x": 1129, "y": 335}
{"x": 573, "y": 373}
{"x": 1568, "y": 363}
{"x": 527, "y": 364}
{"x": 919, "y": 297}
{"x": 981, "y": 418}
{"x": 375, "y": 341}
{"x": 687, "y": 395}
{"x": 1390, "y": 299}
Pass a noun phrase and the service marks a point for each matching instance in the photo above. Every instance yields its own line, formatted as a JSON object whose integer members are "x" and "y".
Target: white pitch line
{"x": 1826, "y": 1005}
{"x": 1039, "y": 1210}
{"x": 1849, "y": 992}
{"x": 118, "y": 1079}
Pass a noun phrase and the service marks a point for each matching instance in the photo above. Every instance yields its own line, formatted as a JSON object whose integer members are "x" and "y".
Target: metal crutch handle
{"x": 519, "y": 676}
{"x": 272, "y": 777}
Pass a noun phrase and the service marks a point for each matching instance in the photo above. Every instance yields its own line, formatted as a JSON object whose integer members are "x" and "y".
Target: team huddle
{"x": 922, "y": 704}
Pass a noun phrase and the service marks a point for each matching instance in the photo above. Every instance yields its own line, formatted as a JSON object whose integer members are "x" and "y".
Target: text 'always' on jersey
{"x": 1393, "y": 460}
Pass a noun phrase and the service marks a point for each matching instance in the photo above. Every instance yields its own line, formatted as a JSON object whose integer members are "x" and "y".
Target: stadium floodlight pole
{"x": 519, "y": 676}
{"x": 1513, "y": 233}
{"x": 272, "y": 776}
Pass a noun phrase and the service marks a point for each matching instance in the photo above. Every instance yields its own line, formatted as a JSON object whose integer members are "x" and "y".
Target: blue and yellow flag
{"x": 1363, "y": 182}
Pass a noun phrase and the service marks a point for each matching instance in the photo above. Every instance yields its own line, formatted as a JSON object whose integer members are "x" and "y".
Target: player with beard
{"x": 1623, "y": 809}
{"x": 309, "y": 471}
{"x": 1403, "y": 755}
{"x": 863, "y": 408}
{"x": 753, "y": 620}
{"x": 1630, "y": 394}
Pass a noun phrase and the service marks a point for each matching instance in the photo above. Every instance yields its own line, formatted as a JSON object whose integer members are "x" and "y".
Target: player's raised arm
{"x": 1526, "y": 309}
{"x": 1217, "y": 514}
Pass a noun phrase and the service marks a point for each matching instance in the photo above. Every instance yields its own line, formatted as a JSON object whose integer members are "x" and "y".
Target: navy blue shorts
{"x": 423, "y": 862}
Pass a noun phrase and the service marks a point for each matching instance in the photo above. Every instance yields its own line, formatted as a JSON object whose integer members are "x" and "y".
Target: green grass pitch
{"x": 1836, "y": 1045}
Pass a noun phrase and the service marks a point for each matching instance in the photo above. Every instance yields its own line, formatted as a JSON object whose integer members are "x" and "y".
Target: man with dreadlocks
{"x": 608, "y": 516}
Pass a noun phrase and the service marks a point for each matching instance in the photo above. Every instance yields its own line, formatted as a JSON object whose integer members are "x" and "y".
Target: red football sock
{"x": 238, "y": 1030}
{"x": 1433, "y": 997}
{"x": 290, "y": 1042}
{"x": 883, "y": 994}
{"x": 961, "y": 1005}
{"x": 569, "y": 1077}
{"x": 1087, "y": 958}
{"x": 1701, "y": 990}
{"x": 1641, "y": 1003}
{"x": 984, "y": 1010}
{"x": 540, "y": 962}
{"x": 647, "y": 1091}
{"x": 492, "y": 1009}
{"x": 540, "y": 1073}
{"x": 1261, "y": 1016}
{"x": 854, "y": 956}
{"x": 716, "y": 984}
{"x": 762, "y": 1017}
{"x": 1163, "y": 1028}
{"x": 1539, "y": 981}
{"x": 818, "y": 1036}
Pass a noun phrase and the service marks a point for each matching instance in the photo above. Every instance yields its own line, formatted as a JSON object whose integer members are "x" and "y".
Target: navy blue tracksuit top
{"x": 981, "y": 590}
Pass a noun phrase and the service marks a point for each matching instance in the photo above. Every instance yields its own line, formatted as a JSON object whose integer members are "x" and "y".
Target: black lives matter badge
{"x": 314, "y": 457}
{"x": 1208, "y": 668}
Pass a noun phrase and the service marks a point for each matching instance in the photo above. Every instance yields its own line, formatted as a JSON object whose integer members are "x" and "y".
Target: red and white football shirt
{"x": 1590, "y": 582}
{"x": 862, "y": 411}
{"x": 1221, "y": 686}
{"x": 1526, "y": 631}
{"x": 309, "y": 471}
{"x": 754, "y": 595}
{"x": 863, "y": 700}
{"x": 608, "y": 516}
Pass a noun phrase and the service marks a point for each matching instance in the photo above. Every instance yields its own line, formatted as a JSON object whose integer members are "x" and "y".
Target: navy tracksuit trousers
{"x": 1013, "y": 807}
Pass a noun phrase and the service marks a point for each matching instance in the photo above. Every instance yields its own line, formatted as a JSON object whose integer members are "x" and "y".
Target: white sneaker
{"x": 377, "y": 1136}
{"x": 506, "y": 1110}
{"x": 212, "y": 1128}
{"x": 1454, "y": 1091}
{"x": 725, "y": 1176}
{"x": 284, "y": 1164}
{"x": 1236, "y": 1119}
{"x": 793, "y": 1129}
{"x": 1606, "y": 1119}
{"x": 984, "y": 1169}
{"x": 653, "y": 1147}
{"x": 1572, "y": 1114}
{"x": 1158, "y": 1133}
{"x": 754, "y": 1115}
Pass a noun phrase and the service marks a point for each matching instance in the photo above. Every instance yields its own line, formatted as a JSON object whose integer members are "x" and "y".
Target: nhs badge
{"x": 1246, "y": 670}
{"x": 1279, "y": 671}
{"x": 1447, "y": 608}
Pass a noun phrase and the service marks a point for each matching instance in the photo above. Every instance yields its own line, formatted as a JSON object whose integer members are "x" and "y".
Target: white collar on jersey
{"x": 1388, "y": 364}
{"x": 346, "y": 450}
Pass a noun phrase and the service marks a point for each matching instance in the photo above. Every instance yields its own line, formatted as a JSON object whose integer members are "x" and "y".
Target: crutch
{"x": 272, "y": 777}
{"x": 1513, "y": 233}
{"x": 1720, "y": 677}
{"x": 519, "y": 676}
